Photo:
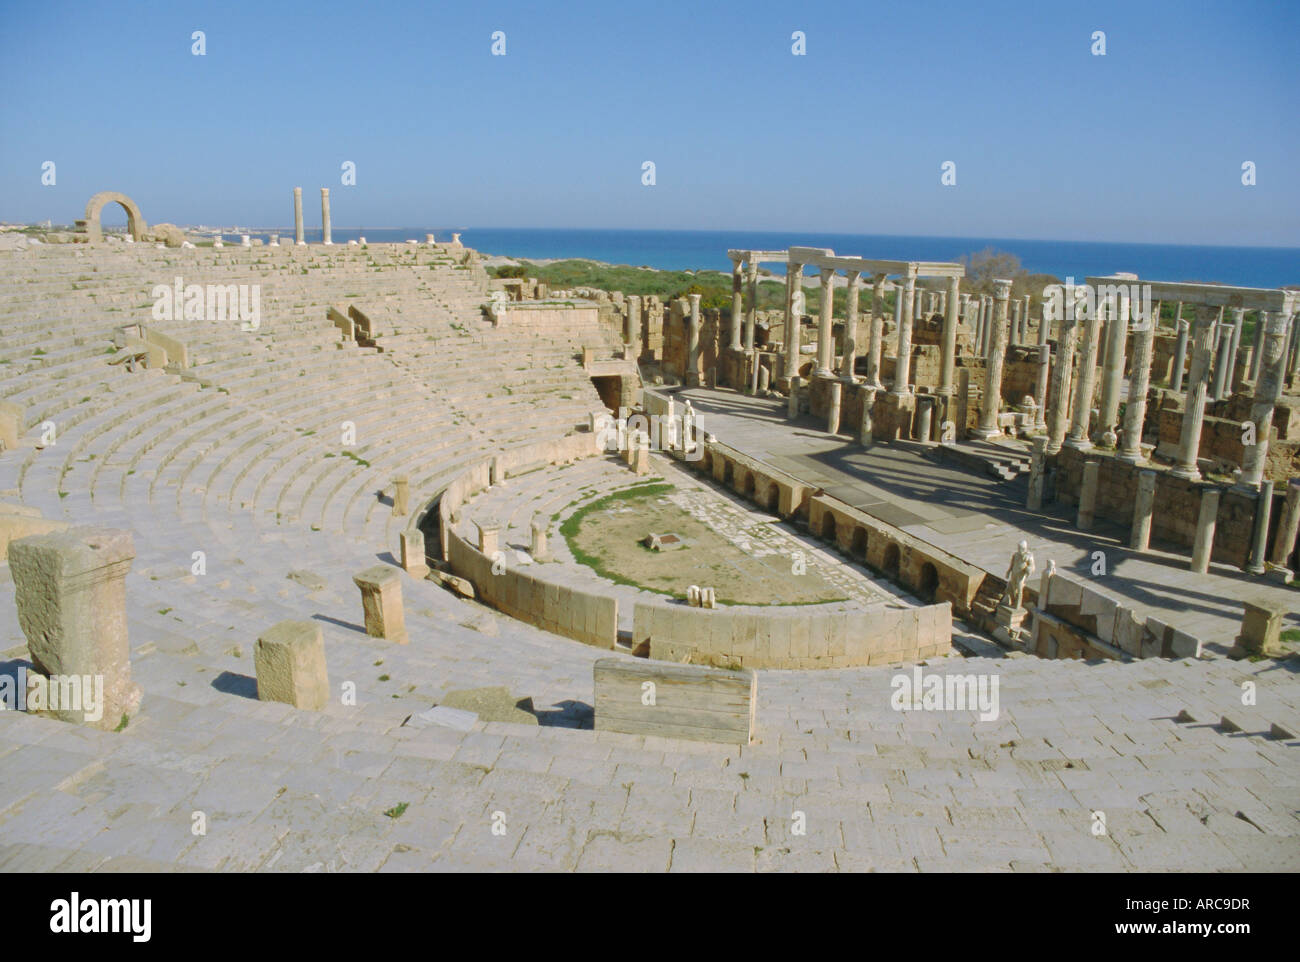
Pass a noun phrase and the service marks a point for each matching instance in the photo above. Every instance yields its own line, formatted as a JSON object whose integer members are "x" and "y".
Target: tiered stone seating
{"x": 240, "y": 457}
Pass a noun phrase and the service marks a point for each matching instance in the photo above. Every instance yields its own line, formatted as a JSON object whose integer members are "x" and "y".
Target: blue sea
{"x": 696, "y": 250}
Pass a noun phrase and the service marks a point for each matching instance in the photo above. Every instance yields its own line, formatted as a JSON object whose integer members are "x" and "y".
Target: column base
{"x": 1128, "y": 457}
{"x": 1187, "y": 474}
{"x": 1079, "y": 444}
{"x": 986, "y": 434}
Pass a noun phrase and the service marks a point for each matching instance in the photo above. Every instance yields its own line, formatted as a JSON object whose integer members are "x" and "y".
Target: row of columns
{"x": 299, "y": 234}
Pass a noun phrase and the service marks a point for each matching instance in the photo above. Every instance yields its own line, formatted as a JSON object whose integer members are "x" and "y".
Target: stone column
{"x": 1087, "y": 378}
{"x": 693, "y": 343}
{"x": 1268, "y": 388}
{"x": 401, "y": 495}
{"x": 1024, "y": 318}
{"x": 793, "y": 312}
{"x": 833, "y": 407}
{"x": 381, "y": 600}
{"x": 1139, "y": 382}
{"x": 992, "y": 401}
{"x": 299, "y": 237}
{"x": 1112, "y": 374}
{"x": 948, "y": 360}
{"x": 1189, "y": 442}
{"x": 1044, "y": 327}
{"x": 633, "y": 333}
{"x": 902, "y": 369}
{"x": 1259, "y": 535}
{"x": 1238, "y": 319}
{"x": 1140, "y": 536}
{"x": 826, "y": 324}
{"x": 1178, "y": 314}
{"x": 325, "y": 214}
{"x": 792, "y": 400}
{"x": 1289, "y": 525}
{"x": 737, "y": 303}
{"x": 751, "y": 316}
{"x": 70, "y": 592}
{"x": 1088, "y": 496}
{"x": 1258, "y": 349}
{"x": 1015, "y": 323}
{"x": 537, "y": 530}
{"x": 1223, "y": 348}
{"x": 1292, "y": 346}
{"x": 1061, "y": 378}
{"x": 1180, "y": 355}
{"x": 988, "y": 326}
{"x": 1040, "y": 393}
{"x": 1205, "y": 522}
{"x": 877, "y": 338}
{"x": 850, "y": 359}
{"x": 865, "y": 427}
{"x": 1037, "y": 468}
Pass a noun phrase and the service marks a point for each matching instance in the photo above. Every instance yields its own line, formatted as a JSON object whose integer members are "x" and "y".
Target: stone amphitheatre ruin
{"x": 419, "y": 568}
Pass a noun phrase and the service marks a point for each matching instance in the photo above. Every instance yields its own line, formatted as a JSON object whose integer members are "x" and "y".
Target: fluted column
{"x": 751, "y": 316}
{"x": 1180, "y": 352}
{"x": 325, "y": 214}
{"x": 1223, "y": 347}
{"x": 1238, "y": 321}
{"x": 737, "y": 302}
{"x": 1112, "y": 376}
{"x": 902, "y": 369}
{"x": 1086, "y": 382}
{"x": 1267, "y": 390}
{"x": 298, "y": 237}
{"x": 1257, "y": 350}
{"x": 948, "y": 360}
{"x": 992, "y": 401}
{"x": 1139, "y": 382}
{"x": 876, "y": 341}
{"x": 850, "y": 360}
{"x": 1062, "y": 376}
{"x": 793, "y": 312}
{"x": 1189, "y": 442}
{"x": 826, "y": 324}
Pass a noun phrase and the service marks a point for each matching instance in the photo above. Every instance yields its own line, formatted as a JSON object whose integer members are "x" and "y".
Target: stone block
{"x": 69, "y": 589}
{"x": 381, "y": 600}
{"x": 11, "y": 424}
{"x": 289, "y": 659}
{"x": 1261, "y": 630}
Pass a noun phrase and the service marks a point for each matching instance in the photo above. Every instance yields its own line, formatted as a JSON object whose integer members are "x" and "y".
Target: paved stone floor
{"x": 981, "y": 519}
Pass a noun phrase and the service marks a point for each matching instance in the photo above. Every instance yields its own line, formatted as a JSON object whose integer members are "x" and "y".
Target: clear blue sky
{"x": 1143, "y": 144}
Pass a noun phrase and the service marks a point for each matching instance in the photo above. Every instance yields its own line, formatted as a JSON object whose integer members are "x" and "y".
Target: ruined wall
{"x": 1178, "y": 503}
{"x": 792, "y": 637}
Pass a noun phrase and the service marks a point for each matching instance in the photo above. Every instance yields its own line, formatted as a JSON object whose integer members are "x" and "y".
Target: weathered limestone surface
{"x": 290, "y": 663}
{"x": 381, "y": 600}
{"x": 70, "y": 592}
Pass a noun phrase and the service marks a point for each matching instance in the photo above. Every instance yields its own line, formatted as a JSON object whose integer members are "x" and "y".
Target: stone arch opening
{"x": 892, "y": 560}
{"x": 749, "y": 486}
{"x": 828, "y": 526}
{"x": 135, "y": 222}
{"x": 929, "y": 583}
{"x": 773, "y": 502}
{"x": 858, "y": 549}
{"x": 728, "y": 474}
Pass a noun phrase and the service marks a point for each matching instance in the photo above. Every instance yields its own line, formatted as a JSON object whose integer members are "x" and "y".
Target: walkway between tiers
{"x": 981, "y": 519}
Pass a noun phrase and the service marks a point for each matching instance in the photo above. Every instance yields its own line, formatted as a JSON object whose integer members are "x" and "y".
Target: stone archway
{"x": 135, "y": 222}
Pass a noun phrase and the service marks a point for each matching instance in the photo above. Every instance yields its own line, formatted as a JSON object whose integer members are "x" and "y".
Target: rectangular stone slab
{"x": 697, "y": 704}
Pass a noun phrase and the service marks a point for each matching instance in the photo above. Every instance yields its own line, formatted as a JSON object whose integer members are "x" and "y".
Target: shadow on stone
{"x": 231, "y": 684}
